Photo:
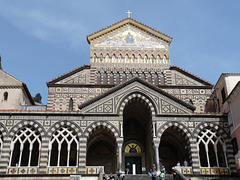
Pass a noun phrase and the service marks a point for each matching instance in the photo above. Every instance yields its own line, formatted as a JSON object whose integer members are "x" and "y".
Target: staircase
{"x": 145, "y": 177}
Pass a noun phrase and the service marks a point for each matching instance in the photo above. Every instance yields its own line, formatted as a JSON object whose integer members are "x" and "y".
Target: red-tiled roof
{"x": 126, "y": 23}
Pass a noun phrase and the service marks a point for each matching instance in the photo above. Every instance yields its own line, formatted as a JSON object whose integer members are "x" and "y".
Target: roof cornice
{"x": 133, "y": 22}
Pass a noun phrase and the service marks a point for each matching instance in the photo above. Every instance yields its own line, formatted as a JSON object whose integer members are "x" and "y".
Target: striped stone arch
{"x": 23, "y": 123}
{"x": 175, "y": 125}
{"x": 181, "y": 129}
{"x": 138, "y": 96}
{"x": 58, "y": 124}
{"x": 3, "y": 130}
{"x": 94, "y": 126}
{"x": 226, "y": 138}
{"x": 216, "y": 127}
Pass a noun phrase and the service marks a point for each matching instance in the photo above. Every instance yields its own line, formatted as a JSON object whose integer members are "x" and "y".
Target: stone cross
{"x": 129, "y": 13}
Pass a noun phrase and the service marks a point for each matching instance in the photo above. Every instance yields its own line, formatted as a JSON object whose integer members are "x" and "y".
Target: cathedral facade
{"x": 128, "y": 107}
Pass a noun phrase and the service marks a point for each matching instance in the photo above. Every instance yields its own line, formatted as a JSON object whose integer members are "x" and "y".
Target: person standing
{"x": 185, "y": 163}
{"x": 162, "y": 175}
{"x": 174, "y": 173}
{"x": 154, "y": 174}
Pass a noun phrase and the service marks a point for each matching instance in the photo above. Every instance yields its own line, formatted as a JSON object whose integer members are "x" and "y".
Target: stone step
{"x": 145, "y": 177}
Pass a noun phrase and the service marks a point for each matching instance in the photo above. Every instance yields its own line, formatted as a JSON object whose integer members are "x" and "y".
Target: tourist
{"x": 123, "y": 175}
{"x": 162, "y": 175}
{"x": 149, "y": 171}
{"x": 154, "y": 174}
{"x": 163, "y": 169}
{"x": 112, "y": 176}
{"x": 118, "y": 174}
{"x": 185, "y": 163}
{"x": 174, "y": 173}
{"x": 178, "y": 163}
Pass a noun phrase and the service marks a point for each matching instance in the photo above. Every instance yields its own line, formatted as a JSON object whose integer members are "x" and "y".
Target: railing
{"x": 22, "y": 170}
{"x": 214, "y": 171}
{"x": 181, "y": 171}
{"x": 94, "y": 169}
{"x": 62, "y": 170}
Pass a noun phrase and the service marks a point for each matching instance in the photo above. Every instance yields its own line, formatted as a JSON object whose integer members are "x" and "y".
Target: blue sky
{"x": 43, "y": 39}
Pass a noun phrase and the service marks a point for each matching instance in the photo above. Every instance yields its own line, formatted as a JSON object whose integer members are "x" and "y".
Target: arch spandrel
{"x": 112, "y": 101}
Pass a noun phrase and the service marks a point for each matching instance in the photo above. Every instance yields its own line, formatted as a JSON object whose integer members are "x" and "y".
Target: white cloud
{"x": 45, "y": 24}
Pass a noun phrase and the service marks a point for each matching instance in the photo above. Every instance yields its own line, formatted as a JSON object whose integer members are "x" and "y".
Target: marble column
{"x": 156, "y": 146}
{"x": 120, "y": 156}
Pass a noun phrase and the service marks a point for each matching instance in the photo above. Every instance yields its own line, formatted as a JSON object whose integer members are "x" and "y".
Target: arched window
{"x": 136, "y": 75}
{"x": 145, "y": 59}
{"x": 63, "y": 147}
{"x": 162, "y": 79}
{"x": 124, "y": 77}
{"x": 126, "y": 59}
{"x": 113, "y": 58}
{"x": 139, "y": 59}
{"x": 212, "y": 149}
{"x": 149, "y": 77}
{"x": 120, "y": 59}
{"x": 152, "y": 59}
{"x": 111, "y": 79}
{"x": 130, "y": 75}
{"x": 107, "y": 59}
{"x": 118, "y": 78}
{"x": 5, "y": 96}
{"x": 101, "y": 58}
{"x": 25, "y": 147}
{"x": 133, "y": 59}
{"x": 156, "y": 79}
{"x": 71, "y": 104}
{"x": 143, "y": 76}
{"x": 164, "y": 59}
{"x": 98, "y": 78}
{"x": 158, "y": 59}
{"x": 105, "y": 78}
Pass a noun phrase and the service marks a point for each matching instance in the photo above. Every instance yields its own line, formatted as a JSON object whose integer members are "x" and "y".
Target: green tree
{"x": 38, "y": 98}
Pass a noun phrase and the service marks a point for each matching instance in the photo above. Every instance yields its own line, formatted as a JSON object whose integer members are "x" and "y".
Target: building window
{"x": 156, "y": 79}
{"x": 105, "y": 78}
{"x": 124, "y": 77}
{"x": 143, "y": 76}
{"x": 5, "y": 96}
{"x": 71, "y": 104}
{"x": 98, "y": 78}
{"x": 223, "y": 95}
{"x": 149, "y": 77}
{"x": 63, "y": 147}
{"x": 117, "y": 78}
{"x": 235, "y": 146}
{"x": 162, "y": 79}
{"x": 136, "y": 75}
{"x": 212, "y": 149}
{"x": 130, "y": 75}
{"x": 25, "y": 147}
{"x": 111, "y": 78}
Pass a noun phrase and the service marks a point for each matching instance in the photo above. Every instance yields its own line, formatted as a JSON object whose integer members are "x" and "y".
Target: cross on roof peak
{"x": 129, "y": 13}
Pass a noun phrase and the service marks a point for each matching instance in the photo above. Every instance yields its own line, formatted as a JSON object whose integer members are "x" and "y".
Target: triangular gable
{"x": 183, "y": 77}
{"x": 132, "y": 22}
{"x": 109, "y": 102}
{"x": 76, "y": 76}
{"x": 8, "y": 80}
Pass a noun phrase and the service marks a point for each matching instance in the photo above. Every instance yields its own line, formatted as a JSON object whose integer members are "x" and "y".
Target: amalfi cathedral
{"x": 129, "y": 107}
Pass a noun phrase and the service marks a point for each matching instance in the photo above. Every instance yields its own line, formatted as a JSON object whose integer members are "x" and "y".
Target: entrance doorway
{"x": 173, "y": 147}
{"x": 137, "y": 131}
{"x": 129, "y": 161}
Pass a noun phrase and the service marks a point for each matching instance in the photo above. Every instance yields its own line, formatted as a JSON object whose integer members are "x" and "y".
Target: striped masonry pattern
{"x": 139, "y": 97}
